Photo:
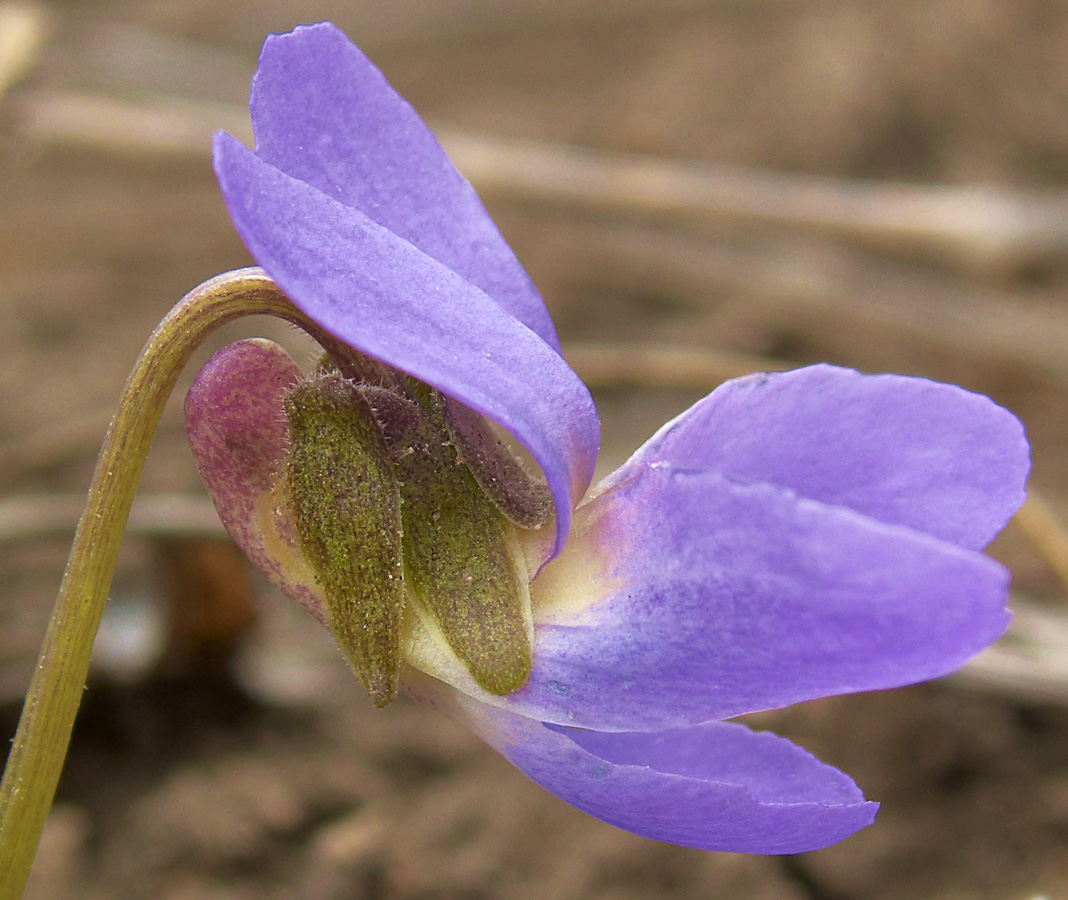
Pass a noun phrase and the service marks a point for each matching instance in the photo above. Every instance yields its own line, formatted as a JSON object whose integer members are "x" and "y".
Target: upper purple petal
{"x": 716, "y": 786}
{"x": 684, "y": 597}
{"x": 389, "y": 300}
{"x": 905, "y": 451}
{"x": 323, "y": 114}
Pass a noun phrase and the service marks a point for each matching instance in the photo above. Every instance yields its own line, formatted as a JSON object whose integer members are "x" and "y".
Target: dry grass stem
{"x": 1046, "y": 533}
{"x": 157, "y": 515}
{"x": 980, "y": 228}
{"x": 23, "y": 28}
{"x": 603, "y": 364}
{"x": 417, "y": 22}
{"x": 159, "y": 127}
{"x": 1030, "y": 662}
{"x": 819, "y": 288}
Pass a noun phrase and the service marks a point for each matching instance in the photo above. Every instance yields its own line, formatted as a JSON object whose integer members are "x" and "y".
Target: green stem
{"x": 40, "y": 745}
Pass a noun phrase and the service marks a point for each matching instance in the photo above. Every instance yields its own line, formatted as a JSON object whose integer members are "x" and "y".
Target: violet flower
{"x": 789, "y": 537}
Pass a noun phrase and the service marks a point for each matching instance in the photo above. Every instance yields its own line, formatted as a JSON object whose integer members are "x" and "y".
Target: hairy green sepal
{"x": 458, "y": 547}
{"x": 522, "y": 499}
{"x": 388, "y": 508}
{"x": 346, "y": 504}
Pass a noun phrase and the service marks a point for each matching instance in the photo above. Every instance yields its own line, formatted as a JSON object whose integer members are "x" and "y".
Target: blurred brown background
{"x": 699, "y": 189}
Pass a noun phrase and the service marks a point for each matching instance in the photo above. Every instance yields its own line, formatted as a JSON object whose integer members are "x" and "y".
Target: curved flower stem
{"x": 40, "y": 745}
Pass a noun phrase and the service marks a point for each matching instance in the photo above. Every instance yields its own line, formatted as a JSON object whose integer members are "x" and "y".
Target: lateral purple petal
{"x": 716, "y": 786}
{"x": 391, "y": 301}
{"x": 904, "y": 451}
{"x": 323, "y": 114}
{"x": 684, "y": 597}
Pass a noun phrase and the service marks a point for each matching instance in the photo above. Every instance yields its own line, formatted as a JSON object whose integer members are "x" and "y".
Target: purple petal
{"x": 323, "y": 114}
{"x": 381, "y": 295}
{"x": 684, "y": 597}
{"x": 905, "y": 451}
{"x": 240, "y": 440}
{"x": 716, "y": 786}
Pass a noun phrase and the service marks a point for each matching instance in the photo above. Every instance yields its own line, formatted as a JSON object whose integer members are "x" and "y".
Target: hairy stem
{"x": 40, "y": 745}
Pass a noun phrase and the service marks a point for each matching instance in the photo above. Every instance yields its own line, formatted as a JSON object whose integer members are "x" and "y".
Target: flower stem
{"x": 40, "y": 745}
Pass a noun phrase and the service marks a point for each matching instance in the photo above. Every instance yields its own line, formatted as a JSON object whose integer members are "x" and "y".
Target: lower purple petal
{"x": 685, "y": 597}
{"x": 715, "y": 786}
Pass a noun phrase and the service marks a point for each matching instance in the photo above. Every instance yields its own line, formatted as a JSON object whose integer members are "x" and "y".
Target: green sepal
{"x": 458, "y": 556}
{"x": 520, "y": 497}
{"x": 346, "y": 504}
